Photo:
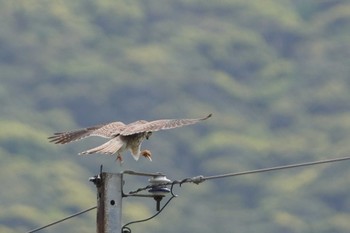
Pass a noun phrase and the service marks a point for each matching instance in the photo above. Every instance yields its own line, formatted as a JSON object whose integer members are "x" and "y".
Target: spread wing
{"x": 145, "y": 126}
{"x": 105, "y": 130}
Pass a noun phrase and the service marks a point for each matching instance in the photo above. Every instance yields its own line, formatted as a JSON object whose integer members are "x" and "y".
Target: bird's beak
{"x": 148, "y": 135}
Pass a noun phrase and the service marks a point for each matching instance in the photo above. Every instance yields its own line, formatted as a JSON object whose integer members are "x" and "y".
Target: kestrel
{"x": 122, "y": 137}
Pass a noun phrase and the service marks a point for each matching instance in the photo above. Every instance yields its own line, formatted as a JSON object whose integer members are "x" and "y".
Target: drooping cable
{"x": 61, "y": 220}
{"x": 195, "y": 180}
{"x": 125, "y": 228}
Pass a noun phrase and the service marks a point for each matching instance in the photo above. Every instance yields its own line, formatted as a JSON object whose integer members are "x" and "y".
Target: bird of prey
{"x": 122, "y": 136}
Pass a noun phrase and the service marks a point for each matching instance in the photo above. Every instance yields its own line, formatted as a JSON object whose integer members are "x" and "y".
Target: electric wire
{"x": 200, "y": 179}
{"x": 125, "y": 228}
{"x": 195, "y": 180}
{"x": 61, "y": 220}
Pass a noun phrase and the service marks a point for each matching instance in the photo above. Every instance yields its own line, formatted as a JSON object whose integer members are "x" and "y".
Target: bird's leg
{"x": 120, "y": 159}
{"x": 147, "y": 154}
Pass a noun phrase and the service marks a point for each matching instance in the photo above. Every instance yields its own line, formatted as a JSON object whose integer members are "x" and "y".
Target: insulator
{"x": 159, "y": 189}
{"x": 159, "y": 180}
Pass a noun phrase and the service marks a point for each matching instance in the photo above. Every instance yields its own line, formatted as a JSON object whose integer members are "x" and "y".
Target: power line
{"x": 61, "y": 220}
{"x": 200, "y": 179}
{"x": 125, "y": 228}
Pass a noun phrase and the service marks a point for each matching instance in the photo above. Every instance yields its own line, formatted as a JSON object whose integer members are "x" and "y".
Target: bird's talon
{"x": 147, "y": 154}
{"x": 120, "y": 159}
{"x": 122, "y": 136}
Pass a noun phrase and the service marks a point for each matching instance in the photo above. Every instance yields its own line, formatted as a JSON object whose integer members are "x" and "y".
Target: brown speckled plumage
{"x": 122, "y": 137}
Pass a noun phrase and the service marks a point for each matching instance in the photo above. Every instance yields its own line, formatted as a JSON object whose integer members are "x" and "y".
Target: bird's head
{"x": 148, "y": 134}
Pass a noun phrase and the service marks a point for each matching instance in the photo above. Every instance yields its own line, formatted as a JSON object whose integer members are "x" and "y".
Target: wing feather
{"x": 105, "y": 130}
{"x": 152, "y": 126}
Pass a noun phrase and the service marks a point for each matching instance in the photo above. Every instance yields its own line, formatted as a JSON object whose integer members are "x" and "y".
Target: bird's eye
{"x": 148, "y": 134}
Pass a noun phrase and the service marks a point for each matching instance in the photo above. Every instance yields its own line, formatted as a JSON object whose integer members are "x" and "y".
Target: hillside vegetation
{"x": 274, "y": 73}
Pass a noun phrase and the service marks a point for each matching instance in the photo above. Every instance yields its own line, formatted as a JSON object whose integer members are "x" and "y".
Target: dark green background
{"x": 274, "y": 73}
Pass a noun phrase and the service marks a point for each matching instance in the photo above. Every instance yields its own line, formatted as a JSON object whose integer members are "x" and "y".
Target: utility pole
{"x": 109, "y": 202}
{"x": 110, "y": 194}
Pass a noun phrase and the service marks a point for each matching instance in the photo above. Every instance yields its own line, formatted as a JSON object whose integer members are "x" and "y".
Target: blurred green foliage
{"x": 274, "y": 73}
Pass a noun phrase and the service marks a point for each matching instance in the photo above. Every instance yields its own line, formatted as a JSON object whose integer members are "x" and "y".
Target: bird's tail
{"x": 110, "y": 147}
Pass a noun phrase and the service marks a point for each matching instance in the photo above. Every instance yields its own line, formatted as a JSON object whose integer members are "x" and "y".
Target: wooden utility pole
{"x": 109, "y": 202}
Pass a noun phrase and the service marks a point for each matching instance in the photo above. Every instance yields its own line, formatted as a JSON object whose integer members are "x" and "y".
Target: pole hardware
{"x": 158, "y": 188}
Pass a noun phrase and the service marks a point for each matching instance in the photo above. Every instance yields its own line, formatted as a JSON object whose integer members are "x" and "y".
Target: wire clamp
{"x": 197, "y": 179}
